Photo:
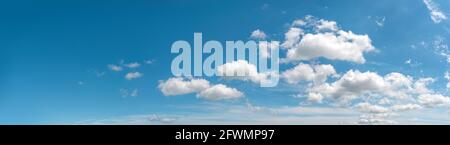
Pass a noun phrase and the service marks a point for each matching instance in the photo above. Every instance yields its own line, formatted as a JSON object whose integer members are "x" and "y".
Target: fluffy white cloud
{"x": 328, "y": 41}
{"x": 435, "y": 13}
{"x": 180, "y": 86}
{"x": 133, "y": 75}
{"x": 305, "y": 72}
{"x": 220, "y": 92}
{"x": 341, "y": 46}
{"x": 351, "y": 85}
{"x": 292, "y": 37}
{"x": 420, "y": 86}
{"x": 434, "y": 100}
{"x": 115, "y": 67}
{"x": 354, "y": 84}
{"x": 258, "y": 34}
{"x": 243, "y": 70}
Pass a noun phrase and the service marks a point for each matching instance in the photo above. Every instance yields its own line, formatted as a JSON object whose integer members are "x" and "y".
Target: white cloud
{"x": 258, "y": 34}
{"x": 305, "y": 72}
{"x": 356, "y": 84}
{"x": 292, "y": 37}
{"x": 180, "y": 86}
{"x": 264, "y": 48}
{"x": 220, "y": 92}
{"x": 340, "y": 46}
{"x": 435, "y": 13}
{"x": 370, "y": 108}
{"x": 420, "y": 86}
{"x": 327, "y": 41}
{"x": 115, "y": 67}
{"x": 447, "y": 77}
{"x": 133, "y": 65}
{"x": 380, "y": 118}
{"x": 434, "y": 100}
{"x": 242, "y": 70}
{"x": 133, "y": 75}
{"x": 405, "y": 107}
{"x": 315, "y": 97}
{"x": 351, "y": 85}
{"x": 325, "y": 25}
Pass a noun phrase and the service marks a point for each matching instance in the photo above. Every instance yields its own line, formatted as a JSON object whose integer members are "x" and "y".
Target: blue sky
{"x": 55, "y": 56}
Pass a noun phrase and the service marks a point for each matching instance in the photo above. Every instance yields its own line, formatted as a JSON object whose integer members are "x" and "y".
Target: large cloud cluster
{"x": 326, "y": 40}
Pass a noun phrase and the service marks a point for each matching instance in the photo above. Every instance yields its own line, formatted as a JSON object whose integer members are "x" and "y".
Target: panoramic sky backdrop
{"x": 109, "y": 62}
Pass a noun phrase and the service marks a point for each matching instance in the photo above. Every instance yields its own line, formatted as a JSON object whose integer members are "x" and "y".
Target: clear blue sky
{"x": 55, "y": 54}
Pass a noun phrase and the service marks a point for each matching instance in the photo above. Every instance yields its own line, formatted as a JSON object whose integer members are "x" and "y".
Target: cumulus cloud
{"x": 305, "y": 72}
{"x": 434, "y": 100}
{"x": 242, "y": 70}
{"x": 327, "y": 41}
{"x": 258, "y": 34}
{"x": 354, "y": 84}
{"x": 292, "y": 36}
{"x": 133, "y": 75}
{"x": 115, "y": 67}
{"x": 180, "y": 86}
{"x": 220, "y": 92}
{"x": 435, "y": 13}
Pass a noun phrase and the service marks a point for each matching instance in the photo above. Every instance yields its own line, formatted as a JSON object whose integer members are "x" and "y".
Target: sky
{"x": 109, "y": 62}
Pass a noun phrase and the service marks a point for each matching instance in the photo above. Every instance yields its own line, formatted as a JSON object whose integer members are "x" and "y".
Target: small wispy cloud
{"x": 133, "y": 65}
{"x": 128, "y": 93}
{"x": 115, "y": 67}
{"x": 133, "y": 75}
{"x": 149, "y": 61}
{"x": 436, "y": 14}
{"x": 380, "y": 21}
